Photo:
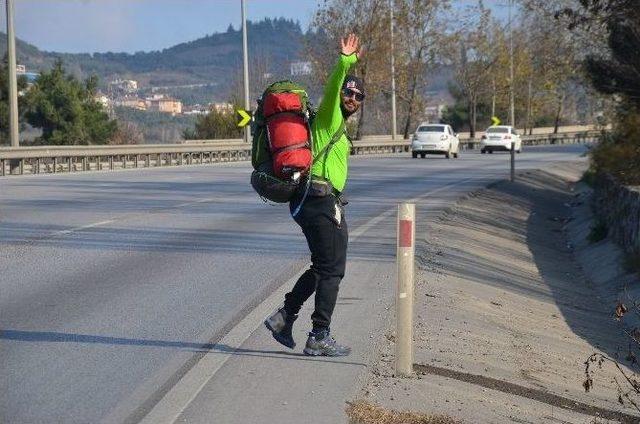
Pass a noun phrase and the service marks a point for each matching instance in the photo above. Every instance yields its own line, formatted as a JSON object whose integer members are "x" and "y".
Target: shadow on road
{"x": 203, "y": 348}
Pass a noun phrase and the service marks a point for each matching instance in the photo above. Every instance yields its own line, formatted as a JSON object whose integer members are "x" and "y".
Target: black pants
{"x": 327, "y": 239}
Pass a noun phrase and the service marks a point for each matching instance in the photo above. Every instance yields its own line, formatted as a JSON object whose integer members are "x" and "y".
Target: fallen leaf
{"x": 621, "y": 309}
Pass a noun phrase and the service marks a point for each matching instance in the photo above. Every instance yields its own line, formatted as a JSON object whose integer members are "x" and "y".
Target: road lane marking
{"x": 386, "y": 214}
{"x": 527, "y": 163}
{"x": 124, "y": 217}
{"x": 83, "y": 227}
{"x": 180, "y": 396}
{"x": 362, "y": 229}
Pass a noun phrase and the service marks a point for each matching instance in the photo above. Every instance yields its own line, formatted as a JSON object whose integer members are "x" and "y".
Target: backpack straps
{"x": 334, "y": 140}
{"x": 325, "y": 150}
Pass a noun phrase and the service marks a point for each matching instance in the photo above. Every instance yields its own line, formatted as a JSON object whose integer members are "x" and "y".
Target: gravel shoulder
{"x": 505, "y": 316}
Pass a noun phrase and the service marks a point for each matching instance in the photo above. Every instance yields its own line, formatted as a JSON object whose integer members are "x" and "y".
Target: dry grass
{"x": 362, "y": 412}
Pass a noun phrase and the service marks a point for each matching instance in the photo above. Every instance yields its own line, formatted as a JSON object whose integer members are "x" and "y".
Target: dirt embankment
{"x": 505, "y": 316}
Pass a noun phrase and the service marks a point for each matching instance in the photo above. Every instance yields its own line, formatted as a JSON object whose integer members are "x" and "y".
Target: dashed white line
{"x": 83, "y": 227}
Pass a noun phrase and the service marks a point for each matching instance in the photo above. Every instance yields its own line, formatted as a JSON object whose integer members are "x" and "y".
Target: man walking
{"x": 320, "y": 211}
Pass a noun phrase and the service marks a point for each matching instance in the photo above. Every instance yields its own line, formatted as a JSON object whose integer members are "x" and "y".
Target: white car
{"x": 435, "y": 138}
{"x": 499, "y": 138}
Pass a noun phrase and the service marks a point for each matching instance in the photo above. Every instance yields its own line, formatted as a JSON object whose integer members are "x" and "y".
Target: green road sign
{"x": 244, "y": 117}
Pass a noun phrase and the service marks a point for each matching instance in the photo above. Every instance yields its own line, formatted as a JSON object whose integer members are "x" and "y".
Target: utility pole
{"x": 512, "y": 117}
{"x": 13, "y": 79}
{"x": 493, "y": 98}
{"x": 245, "y": 59}
{"x": 394, "y": 129}
{"x": 529, "y": 94}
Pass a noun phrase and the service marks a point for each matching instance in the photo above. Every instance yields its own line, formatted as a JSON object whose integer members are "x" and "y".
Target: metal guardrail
{"x": 53, "y": 159}
{"x": 373, "y": 147}
{"x": 571, "y": 129}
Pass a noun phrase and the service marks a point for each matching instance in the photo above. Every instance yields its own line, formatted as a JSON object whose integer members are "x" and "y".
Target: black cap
{"x": 351, "y": 81}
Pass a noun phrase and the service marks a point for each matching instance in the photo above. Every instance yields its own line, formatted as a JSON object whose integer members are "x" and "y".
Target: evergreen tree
{"x": 66, "y": 111}
{"x": 615, "y": 71}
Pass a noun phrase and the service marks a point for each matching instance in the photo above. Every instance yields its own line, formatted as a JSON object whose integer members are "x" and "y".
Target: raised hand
{"x": 350, "y": 45}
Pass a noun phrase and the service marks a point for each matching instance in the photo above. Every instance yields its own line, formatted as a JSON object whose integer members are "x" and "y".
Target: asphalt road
{"x": 112, "y": 282}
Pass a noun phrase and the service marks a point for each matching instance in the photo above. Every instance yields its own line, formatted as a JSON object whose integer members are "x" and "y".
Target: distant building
{"x": 196, "y": 109}
{"x": 101, "y": 98}
{"x": 434, "y": 113}
{"x": 119, "y": 86}
{"x": 221, "y": 107}
{"x": 30, "y": 76}
{"x": 132, "y": 102}
{"x": 194, "y": 112}
{"x": 164, "y": 104}
{"x": 300, "y": 68}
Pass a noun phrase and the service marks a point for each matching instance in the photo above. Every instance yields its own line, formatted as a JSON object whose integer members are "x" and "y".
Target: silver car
{"x": 435, "y": 138}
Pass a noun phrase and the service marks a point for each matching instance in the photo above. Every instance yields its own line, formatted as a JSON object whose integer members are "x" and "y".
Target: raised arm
{"x": 330, "y": 104}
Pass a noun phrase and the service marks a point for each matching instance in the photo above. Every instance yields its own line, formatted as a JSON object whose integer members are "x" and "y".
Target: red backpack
{"x": 288, "y": 134}
{"x": 282, "y": 142}
{"x": 281, "y": 150}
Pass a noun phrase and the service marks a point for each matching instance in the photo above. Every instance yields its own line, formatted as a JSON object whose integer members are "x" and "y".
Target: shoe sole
{"x": 313, "y": 352}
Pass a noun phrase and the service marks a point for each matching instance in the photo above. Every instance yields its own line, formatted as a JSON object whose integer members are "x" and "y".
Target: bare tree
{"x": 367, "y": 18}
{"x": 553, "y": 62}
{"x": 127, "y": 133}
{"x": 473, "y": 60}
{"x": 420, "y": 41}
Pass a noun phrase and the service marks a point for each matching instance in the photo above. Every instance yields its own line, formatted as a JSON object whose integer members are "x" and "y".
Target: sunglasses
{"x": 347, "y": 92}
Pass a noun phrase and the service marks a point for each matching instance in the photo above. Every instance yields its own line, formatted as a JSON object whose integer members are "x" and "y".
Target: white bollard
{"x": 404, "y": 293}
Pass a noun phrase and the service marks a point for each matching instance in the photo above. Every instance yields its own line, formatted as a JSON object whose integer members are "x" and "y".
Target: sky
{"x": 88, "y": 26}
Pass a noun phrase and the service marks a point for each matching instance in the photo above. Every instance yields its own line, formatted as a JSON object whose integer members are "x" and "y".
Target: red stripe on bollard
{"x": 405, "y": 230}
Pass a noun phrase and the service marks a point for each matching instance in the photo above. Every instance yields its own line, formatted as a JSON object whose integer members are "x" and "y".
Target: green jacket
{"x": 327, "y": 122}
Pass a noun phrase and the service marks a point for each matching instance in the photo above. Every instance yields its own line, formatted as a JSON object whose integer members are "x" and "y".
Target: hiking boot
{"x": 322, "y": 344}
{"x": 280, "y": 324}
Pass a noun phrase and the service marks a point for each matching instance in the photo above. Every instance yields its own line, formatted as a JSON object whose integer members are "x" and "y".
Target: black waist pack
{"x": 320, "y": 188}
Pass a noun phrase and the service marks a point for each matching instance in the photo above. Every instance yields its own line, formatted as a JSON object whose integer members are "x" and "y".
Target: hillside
{"x": 215, "y": 60}
{"x": 203, "y": 70}
{"x": 27, "y": 54}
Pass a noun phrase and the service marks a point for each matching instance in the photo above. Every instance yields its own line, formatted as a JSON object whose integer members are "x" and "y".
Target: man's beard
{"x": 345, "y": 113}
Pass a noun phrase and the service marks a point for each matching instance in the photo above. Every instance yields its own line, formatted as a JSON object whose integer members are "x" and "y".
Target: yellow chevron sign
{"x": 244, "y": 117}
{"x": 495, "y": 120}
